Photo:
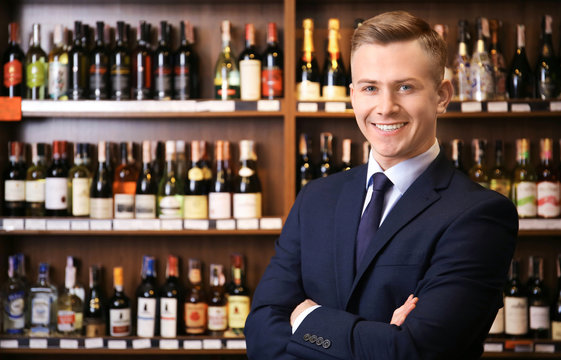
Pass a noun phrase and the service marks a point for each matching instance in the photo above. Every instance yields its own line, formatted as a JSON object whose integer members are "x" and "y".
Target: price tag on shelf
{"x": 544, "y": 348}
{"x": 125, "y": 224}
{"x": 493, "y": 347}
{"x": 247, "y": 224}
{"x": 101, "y": 225}
{"x": 270, "y": 223}
{"x": 38, "y": 343}
{"x": 555, "y": 106}
{"x": 192, "y": 344}
{"x": 335, "y": 106}
{"x": 221, "y": 106}
{"x": 58, "y": 225}
{"x": 80, "y": 225}
{"x": 471, "y": 106}
{"x": 520, "y": 108}
{"x": 117, "y": 344}
{"x": 68, "y": 344}
{"x": 497, "y": 106}
{"x": 180, "y": 106}
{"x": 12, "y": 224}
{"x": 172, "y": 224}
{"x": 148, "y": 224}
{"x": 10, "y": 108}
{"x": 226, "y": 224}
{"x": 169, "y": 344}
{"x": 93, "y": 343}
{"x": 9, "y": 344}
{"x": 192, "y": 224}
{"x": 268, "y": 105}
{"x": 235, "y": 344}
{"x": 35, "y": 224}
{"x": 212, "y": 344}
{"x": 141, "y": 344}
{"x": 308, "y": 107}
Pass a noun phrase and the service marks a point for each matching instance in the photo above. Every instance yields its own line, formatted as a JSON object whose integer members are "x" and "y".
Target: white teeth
{"x": 389, "y": 127}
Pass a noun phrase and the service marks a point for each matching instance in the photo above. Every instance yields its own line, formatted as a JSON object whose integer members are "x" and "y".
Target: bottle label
{"x": 58, "y": 80}
{"x": 556, "y": 330}
{"x": 81, "y": 196}
{"x": 271, "y": 83}
{"x": 548, "y": 199}
{"x": 14, "y": 190}
{"x": 66, "y": 320}
{"x": 146, "y": 317}
{"x": 55, "y": 193}
{"x": 12, "y": 73}
{"x": 36, "y": 73}
{"x": 14, "y": 313}
{"x": 162, "y": 82}
{"x": 247, "y": 206}
{"x": 516, "y": 315}
{"x": 334, "y": 92}
{"x": 168, "y": 317}
{"x": 41, "y": 310}
{"x": 195, "y": 207}
{"x": 526, "y": 193}
{"x": 120, "y": 322}
{"x": 35, "y": 190}
{"x": 101, "y": 208}
{"x": 462, "y": 85}
{"x": 502, "y": 186}
{"x": 539, "y": 317}
{"x": 98, "y": 85}
{"x": 308, "y": 90}
{"x": 246, "y": 171}
{"x": 95, "y": 328}
{"x": 250, "y": 74}
{"x": 120, "y": 78}
{"x": 498, "y": 326}
{"x": 238, "y": 310}
{"x": 181, "y": 82}
{"x": 219, "y": 205}
{"x": 195, "y": 174}
{"x": 217, "y": 318}
{"x": 145, "y": 206}
{"x": 482, "y": 84}
{"x": 124, "y": 206}
{"x": 195, "y": 317}
{"x": 171, "y": 207}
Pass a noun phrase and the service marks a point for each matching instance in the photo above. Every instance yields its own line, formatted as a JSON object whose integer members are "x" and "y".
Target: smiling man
{"x": 357, "y": 245}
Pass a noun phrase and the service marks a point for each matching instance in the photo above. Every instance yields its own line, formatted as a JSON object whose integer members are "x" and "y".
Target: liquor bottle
{"x": 79, "y": 183}
{"x": 170, "y": 296}
{"x": 124, "y": 183}
{"x": 481, "y": 68}
{"x": 516, "y": 304}
{"x": 42, "y": 301}
{"x": 247, "y": 187}
{"x": 538, "y": 302}
{"x": 36, "y": 67}
{"x": 461, "y": 66}
{"x": 457, "y": 152}
{"x": 442, "y": 30}
{"x": 556, "y": 308}
{"x": 146, "y": 187}
{"x": 346, "y": 157}
{"x": 158, "y": 160}
{"x": 14, "y": 181}
{"x": 520, "y": 81}
{"x": 220, "y": 193}
{"x": 217, "y": 303}
{"x": 141, "y": 87}
{"x": 306, "y": 170}
{"x": 548, "y": 182}
{"x": 21, "y": 269}
{"x": 69, "y": 306}
{"x": 120, "y": 76}
{"x": 186, "y": 65}
{"x": 79, "y": 66}
{"x": 197, "y": 184}
{"x": 226, "y": 74}
{"x": 334, "y": 74}
{"x": 548, "y": 73}
{"x": 170, "y": 194}
{"x": 238, "y": 295}
{"x": 85, "y": 39}
{"x": 35, "y": 182}
{"x": 499, "y": 179}
{"x": 119, "y": 307}
{"x": 13, "y": 83}
{"x": 273, "y": 65}
{"x": 365, "y": 152}
{"x": 325, "y": 166}
{"x": 307, "y": 70}
{"x": 163, "y": 65}
{"x": 250, "y": 67}
{"x": 181, "y": 162}
{"x": 99, "y": 66}
{"x": 478, "y": 172}
{"x": 94, "y": 311}
{"x": 147, "y": 299}
{"x": 58, "y": 66}
{"x": 56, "y": 182}
{"x": 79, "y": 290}
{"x": 195, "y": 301}
{"x": 101, "y": 192}
{"x": 524, "y": 189}
{"x": 497, "y": 60}
{"x": 14, "y": 296}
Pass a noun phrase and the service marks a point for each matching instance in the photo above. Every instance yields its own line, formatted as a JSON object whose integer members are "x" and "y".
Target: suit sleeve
{"x": 458, "y": 298}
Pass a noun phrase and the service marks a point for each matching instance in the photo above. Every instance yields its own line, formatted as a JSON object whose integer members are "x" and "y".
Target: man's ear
{"x": 445, "y": 91}
{"x": 352, "y": 93}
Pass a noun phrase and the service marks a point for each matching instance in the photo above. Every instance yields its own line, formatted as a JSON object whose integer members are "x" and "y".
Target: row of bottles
{"x": 79, "y": 72}
{"x": 169, "y": 310}
{"x": 167, "y": 188}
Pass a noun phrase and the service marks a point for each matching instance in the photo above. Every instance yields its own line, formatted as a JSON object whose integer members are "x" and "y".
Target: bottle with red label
{"x": 272, "y": 70}
{"x": 195, "y": 301}
{"x": 548, "y": 182}
{"x": 12, "y": 65}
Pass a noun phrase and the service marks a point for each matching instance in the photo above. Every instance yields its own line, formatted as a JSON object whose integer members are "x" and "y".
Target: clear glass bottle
{"x": 58, "y": 66}
{"x": 226, "y": 74}
{"x": 14, "y": 296}
{"x": 170, "y": 193}
{"x": 69, "y": 306}
{"x": 524, "y": 187}
{"x": 42, "y": 304}
{"x": 461, "y": 66}
{"x": 481, "y": 68}
{"x": 35, "y": 181}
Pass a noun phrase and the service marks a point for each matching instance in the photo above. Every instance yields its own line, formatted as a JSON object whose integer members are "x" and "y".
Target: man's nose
{"x": 387, "y": 104}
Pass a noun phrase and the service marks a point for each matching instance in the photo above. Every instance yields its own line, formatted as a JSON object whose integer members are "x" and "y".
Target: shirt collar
{"x": 403, "y": 174}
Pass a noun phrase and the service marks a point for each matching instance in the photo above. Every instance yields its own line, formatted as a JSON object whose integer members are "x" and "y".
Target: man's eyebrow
{"x": 399, "y": 81}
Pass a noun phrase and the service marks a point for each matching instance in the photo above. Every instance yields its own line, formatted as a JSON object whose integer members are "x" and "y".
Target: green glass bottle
{"x": 36, "y": 67}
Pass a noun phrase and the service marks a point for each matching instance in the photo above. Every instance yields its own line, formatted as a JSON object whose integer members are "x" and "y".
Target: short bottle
{"x": 101, "y": 192}
{"x": 42, "y": 304}
{"x": 516, "y": 304}
{"x": 14, "y": 181}
{"x": 547, "y": 182}
{"x": 119, "y": 307}
{"x": 247, "y": 199}
{"x": 220, "y": 192}
{"x": 217, "y": 303}
{"x": 56, "y": 188}
{"x": 95, "y": 307}
{"x": 524, "y": 187}
{"x": 69, "y": 306}
{"x": 171, "y": 295}
{"x": 147, "y": 300}
{"x": 238, "y": 295}
{"x": 79, "y": 182}
{"x": 14, "y": 300}
{"x": 195, "y": 301}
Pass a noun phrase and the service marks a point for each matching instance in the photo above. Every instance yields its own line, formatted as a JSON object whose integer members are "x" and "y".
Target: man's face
{"x": 395, "y": 99}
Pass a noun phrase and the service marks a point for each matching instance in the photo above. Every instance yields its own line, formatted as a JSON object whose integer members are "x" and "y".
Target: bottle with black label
{"x": 186, "y": 65}
{"x": 99, "y": 65}
{"x": 78, "y": 66}
{"x": 95, "y": 307}
{"x": 120, "y": 73}
{"x": 141, "y": 85}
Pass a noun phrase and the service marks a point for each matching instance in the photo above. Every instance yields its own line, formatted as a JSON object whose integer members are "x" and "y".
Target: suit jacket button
{"x": 326, "y": 344}
{"x": 306, "y": 337}
{"x": 313, "y": 339}
{"x": 319, "y": 341}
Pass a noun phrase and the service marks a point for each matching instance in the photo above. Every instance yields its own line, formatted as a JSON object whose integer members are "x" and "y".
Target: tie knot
{"x": 380, "y": 182}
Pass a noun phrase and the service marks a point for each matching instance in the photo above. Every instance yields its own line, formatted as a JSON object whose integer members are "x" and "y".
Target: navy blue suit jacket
{"x": 448, "y": 240}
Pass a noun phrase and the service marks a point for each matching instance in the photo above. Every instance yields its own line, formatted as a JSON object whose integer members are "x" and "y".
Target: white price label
{"x": 268, "y": 105}
{"x": 9, "y": 344}
{"x": 222, "y": 106}
{"x": 335, "y": 106}
{"x": 12, "y": 224}
{"x": 493, "y": 347}
{"x": 520, "y": 108}
{"x": 58, "y": 225}
{"x": 235, "y": 344}
{"x": 93, "y": 343}
{"x": 80, "y": 225}
{"x": 192, "y": 344}
{"x": 35, "y": 224}
{"x": 270, "y": 223}
{"x": 497, "y": 106}
{"x": 169, "y": 344}
{"x": 248, "y": 224}
{"x": 212, "y": 344}
{"x": 226, "y": 224}
{"x": 307, "y": 107}
{"x": 125, "y": 224}
{"x": 141, "y": 344}
{"x": 68, "y": 344}
{"x": 38, "y": 343}
{"x": 117, "y": 344}
{"x": 555, "y": 106}
{"x": 175, "y": 224}
{"x": 544, "y": 348}
{"x": 149, "y": 224}
{"x": 471, "y": 106}
{"x": 101, "y": 225}
{"x": 192, "y": 224}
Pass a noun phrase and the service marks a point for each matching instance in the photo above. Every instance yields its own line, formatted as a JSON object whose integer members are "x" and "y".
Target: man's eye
{"x": 369, "y": 88}
{"x": 405, "y": 87}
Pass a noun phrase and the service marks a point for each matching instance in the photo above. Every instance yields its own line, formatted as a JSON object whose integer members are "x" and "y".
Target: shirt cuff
{"x": 302, "y": 316}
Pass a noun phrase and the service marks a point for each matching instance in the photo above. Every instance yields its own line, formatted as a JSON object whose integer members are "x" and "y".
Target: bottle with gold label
{"x": 220, "y": 192}
{"x": 197, "y": 183}
{"x": 334, "y": 75}
{"x": 94, "y": 314}
{"x": 79, "y": 183}
{"x": 195, "y": 301}
{"x": 548, "y": 182}
{"x": 524, "y": 190}
{"x": 477, "y": 172}
{"x": 238, "y": 295}
{"x": 307, "y": 70}
{"x": 499, "y": 179}
{"x": 247, "y": 187}
{"x": 217, "y": 304}
{"x": 36, "y": 67}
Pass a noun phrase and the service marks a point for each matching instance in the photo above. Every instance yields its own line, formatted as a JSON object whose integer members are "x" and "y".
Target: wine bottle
{"x": 13, "y": 83}
{"x": 124, "y": 183}
{"x": 163, "y": 65}
{"x": 158, "y": 159}
{"x": 119, "y": 307}
{"x": 69, "y": 306}
{"x": 42, "y": 303}
{"x": 147, "y": 299}
{"x": 524, "y": 189}
{"x": 334, "y": 74}
{"x": 14, "y": 295}
{"x": 99, "y": 72}
{"x": 141, "y": 87}
{"x": 273, "y": 65}
{"x": 120, "y": 66}
{"x": 461, "y": 67}
{"x": 548, "y": 73}
{"x": 442, "y": 31}
{"x": 499, "y": 179}
{"x": 556, "y": 308}
{"x": 520, "y": 79}
{"x": 250, "y": 67}
{"x": 101, "y": 192}
{"x": 478, "y": 172}
{"x": 365, "y": 152}
{"x": 170, "y": 296}
{"x": 186, "y": 65}
{"x": 14, "y": 181}
{"x": 457, "y": 152}
{"x": 226, "y": 74}
{"x": 79, "y": 65}
{"x": 181, "y": 162}
{"x": 306, "y": 169}
{"x": 36, "y": 67}
{"x": 217, "y": 304}
{"x": 346, "y": 156}
{"x": 516, "y": 304}
{"x": 220, "y": 192}
{"x": 547, "y": 182}
{"x": 79, "y": 183}
{"x": 497, "y": 329}
{"x": 481, "y": 68}
{"x": 94, "y": 310}
{"x": 307, "y": 70}
{"x": 497, "y": 60}
{"x": 170, "y": 194}
{"x": 196, "y": 184}
{"x": 537, "y": 300}
{"x": 247, "y": 187}
{"x": 238, "y": 295}
{"x": 58, "y": 66}
{"x": 195, "y": 301}
{"x": 56, "y": 182}
{"x": 325, "y": 167}
{"x": 35, "y": 181}
{"x": 146, "y": 187}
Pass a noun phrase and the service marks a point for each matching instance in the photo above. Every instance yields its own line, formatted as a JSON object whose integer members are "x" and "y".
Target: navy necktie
{"x": 370, "y": 220}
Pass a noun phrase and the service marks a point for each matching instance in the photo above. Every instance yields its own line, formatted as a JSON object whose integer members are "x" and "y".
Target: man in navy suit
{"x": 328, "y": 295}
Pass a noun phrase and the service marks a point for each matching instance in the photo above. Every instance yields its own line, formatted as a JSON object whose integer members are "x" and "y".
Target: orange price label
{"x": 10, "y": 108}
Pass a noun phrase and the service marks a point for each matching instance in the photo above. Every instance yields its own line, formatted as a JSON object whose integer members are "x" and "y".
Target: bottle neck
{"x": 308, "y": 46}
{"x": 462, "y": 49}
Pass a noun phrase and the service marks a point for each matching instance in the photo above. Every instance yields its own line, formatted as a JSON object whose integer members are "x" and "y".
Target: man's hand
{"x": 301, "y": 307}
{"x": 400, "y": 314}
